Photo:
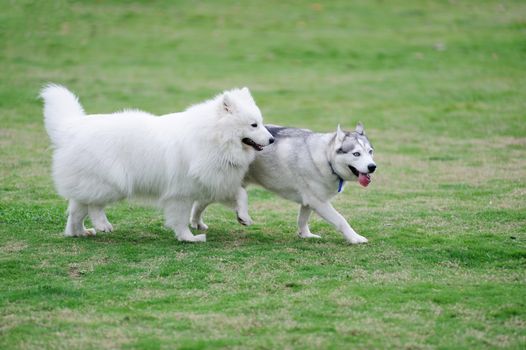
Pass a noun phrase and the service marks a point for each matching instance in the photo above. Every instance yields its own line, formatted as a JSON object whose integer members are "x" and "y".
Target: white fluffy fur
{"x": 175, "y": 159}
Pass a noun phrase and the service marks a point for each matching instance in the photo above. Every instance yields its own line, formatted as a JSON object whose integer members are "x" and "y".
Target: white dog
{"x": 200, "y": 154}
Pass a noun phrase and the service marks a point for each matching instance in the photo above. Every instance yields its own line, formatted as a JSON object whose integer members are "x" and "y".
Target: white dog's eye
{"x": 371, "y": 152}
{"x": 356, "y": 154}
{"x": 255, "y": 125}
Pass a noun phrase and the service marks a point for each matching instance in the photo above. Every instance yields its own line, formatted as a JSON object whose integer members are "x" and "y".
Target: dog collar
{"x": 340, "y": 180}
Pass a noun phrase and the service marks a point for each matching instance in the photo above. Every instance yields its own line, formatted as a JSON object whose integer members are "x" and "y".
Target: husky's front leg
{"x": 303, "y": 222}
{"x": 327, "y": 211}
{"x": 176, "y": 214}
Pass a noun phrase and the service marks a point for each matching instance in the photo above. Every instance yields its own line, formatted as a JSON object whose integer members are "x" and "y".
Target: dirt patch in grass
{"x": 13, "y": 247}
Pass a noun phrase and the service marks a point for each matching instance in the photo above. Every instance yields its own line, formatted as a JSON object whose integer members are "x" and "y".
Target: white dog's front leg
{"x": 176, "y": 214}
{"x": 303, "y": 222}
{"x": 196, "y": 219}
{"x": 242, "y": 207}
{"x": 99, "y": 219}
{"x": 327, "y": 211}
{"x": 75, "y": 225}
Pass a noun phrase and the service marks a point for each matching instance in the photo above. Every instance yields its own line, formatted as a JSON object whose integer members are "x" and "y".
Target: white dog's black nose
{"x": 371, "y": 167}
{"x": 270, "y": 141}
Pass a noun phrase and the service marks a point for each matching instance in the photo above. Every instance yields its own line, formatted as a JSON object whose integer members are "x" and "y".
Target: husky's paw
{"x": 104, "y": 226}
{"x": 308, "y": 235}
{"x": 199, "y": 226}
{"x": 87, "y": 232}
{"x": 192, "y": 238}
{"x": 357, "y": 239}
{"x": 244, "y": 220}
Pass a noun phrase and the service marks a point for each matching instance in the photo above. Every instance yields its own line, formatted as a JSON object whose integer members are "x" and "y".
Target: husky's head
{"x": 244, "y": 119}
{"x": 352, "y": 155}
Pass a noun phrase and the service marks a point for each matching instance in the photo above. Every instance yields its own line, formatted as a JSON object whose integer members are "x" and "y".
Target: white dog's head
{"x": 352, "y": 155}
{"x": 243, "y": 117}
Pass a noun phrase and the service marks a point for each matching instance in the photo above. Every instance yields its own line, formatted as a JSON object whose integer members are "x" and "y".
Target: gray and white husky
{"x": 310, "y": 169}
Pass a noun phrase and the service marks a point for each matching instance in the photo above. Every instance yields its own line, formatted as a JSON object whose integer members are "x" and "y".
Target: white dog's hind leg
{"x": 75, "y": 226}
{"x": 303, "y": 222}
{"x": 241, "y": 207}
{"x": 99, "y": 219}
{"x": 196, "y": 218}
{"x": 176, "y": 215}
{"x": 327, "y": 211}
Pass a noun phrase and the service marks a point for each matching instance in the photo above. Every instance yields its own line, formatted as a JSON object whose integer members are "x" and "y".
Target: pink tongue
{"x": 364, "y": 180}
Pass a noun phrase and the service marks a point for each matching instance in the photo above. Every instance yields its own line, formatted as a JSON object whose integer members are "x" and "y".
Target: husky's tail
{"x": 61, "y": 107}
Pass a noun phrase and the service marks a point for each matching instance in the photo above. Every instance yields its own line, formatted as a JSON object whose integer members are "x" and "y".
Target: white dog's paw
{"x": 201, "y": 226}
{"x": 200, "y": 238}
{"x": 244, "y": 220}
{"x": 90, "y": 232}
{"x": 104, "y": 226}
{"x": 87, "y": 232}
{"x": 308, "y": 235}
{"x": 357, "y": 239}
{"x": 192, "y": 238}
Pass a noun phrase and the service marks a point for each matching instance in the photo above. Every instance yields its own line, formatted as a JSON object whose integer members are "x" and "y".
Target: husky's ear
{"x": 359, "y": 129}
{"x": 228, "y": 103}
{"x": 340, "y": 136}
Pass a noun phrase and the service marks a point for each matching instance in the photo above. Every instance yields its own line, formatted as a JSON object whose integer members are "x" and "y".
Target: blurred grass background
{"x": 441, "y": 89}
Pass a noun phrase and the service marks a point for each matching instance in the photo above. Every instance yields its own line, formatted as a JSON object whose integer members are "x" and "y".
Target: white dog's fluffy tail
{"x": 60, "y": 106}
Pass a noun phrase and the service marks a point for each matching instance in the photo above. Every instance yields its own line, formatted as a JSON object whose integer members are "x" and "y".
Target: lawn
{"x": 441, "y": 89}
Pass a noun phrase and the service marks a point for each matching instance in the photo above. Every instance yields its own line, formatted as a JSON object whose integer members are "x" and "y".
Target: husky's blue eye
{"x": 255, "y": 125}
{"x": 356, "y": 154}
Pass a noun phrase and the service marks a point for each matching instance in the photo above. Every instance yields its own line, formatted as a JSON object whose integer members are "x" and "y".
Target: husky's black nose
{"x": 371, "y": 167}
{"x": 271, "y": 141}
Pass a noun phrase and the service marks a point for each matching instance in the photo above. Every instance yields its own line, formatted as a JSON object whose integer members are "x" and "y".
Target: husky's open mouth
{"x": 252, "y": 144}
{"x": 363, "y": 179}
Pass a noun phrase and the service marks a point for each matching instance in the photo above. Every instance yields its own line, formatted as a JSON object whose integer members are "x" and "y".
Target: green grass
{"x": 441, "y": 89}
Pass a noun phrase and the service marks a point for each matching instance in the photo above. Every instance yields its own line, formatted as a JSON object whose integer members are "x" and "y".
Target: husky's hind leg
{"x": 75, "y": 226}
{"x": 176, "y": 213}
{"x": 303, "y": 222}
{"x": 196, "y": 218}
{"x": 241, "y": 207}
{"x": 99, "y": 219}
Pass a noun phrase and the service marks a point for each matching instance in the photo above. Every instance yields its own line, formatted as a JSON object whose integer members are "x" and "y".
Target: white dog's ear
{"x": 359, "y": 129}
{"x": 247, "y": 93}
{"x": 228, "y": 103}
